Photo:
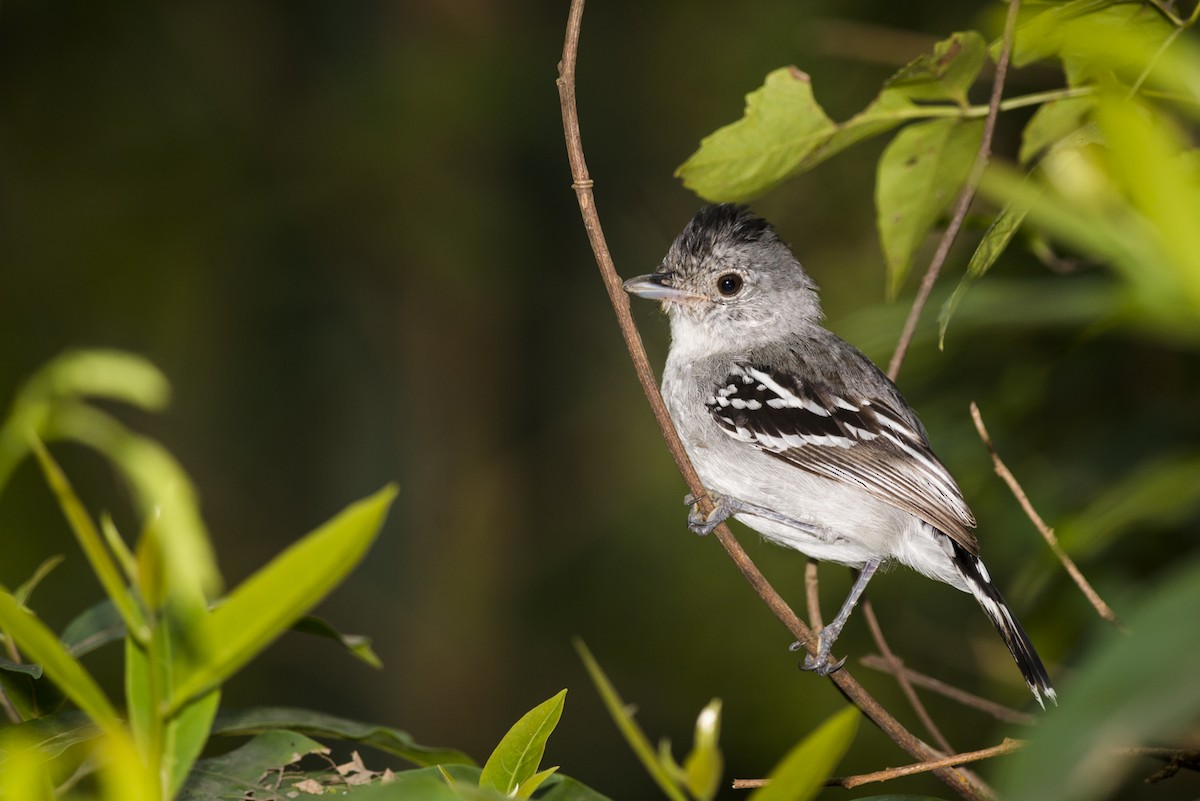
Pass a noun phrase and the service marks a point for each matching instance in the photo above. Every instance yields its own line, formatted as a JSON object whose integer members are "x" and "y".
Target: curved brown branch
{"x": 1102, "y": 609}
{"x": 962, "y": 782}
{"x": 998, "y": 711}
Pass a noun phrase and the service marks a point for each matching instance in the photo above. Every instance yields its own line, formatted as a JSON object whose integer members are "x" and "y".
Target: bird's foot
{"x": 703, "y": 524}
{"x": 822, "y": 664}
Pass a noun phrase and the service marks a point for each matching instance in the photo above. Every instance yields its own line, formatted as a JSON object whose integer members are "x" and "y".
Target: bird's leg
{"x": 725, "y": 507}
{"x": 821, "y": 663}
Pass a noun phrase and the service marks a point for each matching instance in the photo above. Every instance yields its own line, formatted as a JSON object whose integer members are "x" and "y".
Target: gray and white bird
{"x": 795, "y": 433}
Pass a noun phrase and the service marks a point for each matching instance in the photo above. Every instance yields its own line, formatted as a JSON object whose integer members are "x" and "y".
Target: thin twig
{"x": 849, "y": 782}
{"x": 812, "y": 595}
{"x": 902, "y": 678}
{"x": 998, "y": 711}
{"x": 963, "y": 782}
{"x": 1103, "y": 609}
{"x": 964, "y": 198}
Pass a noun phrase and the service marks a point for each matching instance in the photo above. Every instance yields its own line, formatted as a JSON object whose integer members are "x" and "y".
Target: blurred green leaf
{"x": 316, "y": 724}
{"x": 185, "y": 736}
{"x": 92, "y": 544}
{"x": 704, "y": 765}
{"x": 920, "y": 174}
{"x": 108, "y": 374}
{"x": 994, "y": 243}
{"x": 1130, "y": 689}
{"x": 1159, "y": 492}
{"x": 40, "y": 644}
{"x": 264, "y": 605}
{"x": 95, "y": 626}
{"x": 26, "y": 589}
{"x": 946, "y": 74}
{"x": 1053, "y": 122}
{"x": 781, "y": 126}
{"x": 629, "y": 728}
{"x": 564, "y": 788}
{"x": 1149, "y": 164}
{"x": 532, "y": 784}
{"x": 26, "y": 776}
{"x": 358, "y": 645}
{"x": 515, "y": 760}
{"x": 53, "y": 734}
{"x": 802, "y": 773}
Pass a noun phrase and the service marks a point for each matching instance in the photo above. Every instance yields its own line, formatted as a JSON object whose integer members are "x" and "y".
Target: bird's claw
{"x": 704, "y": 524}
{"x": 822, "y": 667}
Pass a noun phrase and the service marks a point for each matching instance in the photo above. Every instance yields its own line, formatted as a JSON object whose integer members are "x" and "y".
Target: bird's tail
{"x": 1022, "y": 650}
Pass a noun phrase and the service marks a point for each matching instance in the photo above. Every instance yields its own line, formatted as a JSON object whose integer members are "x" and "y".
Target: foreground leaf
{"x": 315, "y": 724}
{"x": 1131, "y": 689}
{"x": 40, "y": 644}
{"x": 802, "y": 773}
{"x": 515, "y": 760}
{"x": 264, "y": 605}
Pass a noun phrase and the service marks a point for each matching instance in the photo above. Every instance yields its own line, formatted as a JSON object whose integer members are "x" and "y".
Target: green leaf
{"x": 40, "y": 644}
{"x": 52, "y": 734}
{"x": 91, "y": 542}
{"x": 704, "y": 765}
{"x": 1053, "y": 122}
{"x": 781, "y": 126}
{"x": 316, "y": 724}
{"x": 802, "y": 773}
{"x": 564, "y": 788}
{"x": 95, "y": 626}
{"x": 23, "y": 592}
{"x": 425, "y": 784}
{"x": 994, "y": 243}
{"x": 516, "y": 758}
{"x": 946, "y": 74}
{"x": 527, "y": 789}
{"x": 271, "y": 600}
{"x": 185, "y": 736}
{"x": 1129, "y": 689}
{"x": 920, "y": 175}
{"x": 632, "y": 733}
{"x": 358, "y": 645}
{"x": 238, "y": 773}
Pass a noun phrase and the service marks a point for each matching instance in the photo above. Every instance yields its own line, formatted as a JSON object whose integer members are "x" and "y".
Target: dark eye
{"x": 729, "y": 284}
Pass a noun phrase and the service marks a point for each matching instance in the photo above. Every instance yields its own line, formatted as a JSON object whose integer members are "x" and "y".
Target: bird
{"x": 797, "y": 434}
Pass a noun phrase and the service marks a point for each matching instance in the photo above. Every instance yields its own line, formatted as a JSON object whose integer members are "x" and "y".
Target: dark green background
{"x": 345, "y": 232}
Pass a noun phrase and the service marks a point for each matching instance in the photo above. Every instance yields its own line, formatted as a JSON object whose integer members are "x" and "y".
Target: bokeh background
{"x": 345, "y": 232}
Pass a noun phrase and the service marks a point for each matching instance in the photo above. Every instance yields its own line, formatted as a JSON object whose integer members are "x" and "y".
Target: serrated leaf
{"x": 515, "y": 760}
{"x": 993, "y": 244}
{"x": 264, "y": 605}
{"x": 1138, "y": 687}
{"x": 946, "y": 74}
{"x": 920, "y": 174}
{"x": 1053, "y": 122}
{"x": 317, "y": 724}
{"x": 802, "y": 773}
{"x": 781, "y": 125}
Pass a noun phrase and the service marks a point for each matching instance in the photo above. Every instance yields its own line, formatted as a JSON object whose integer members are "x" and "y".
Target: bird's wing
{"x": 861, "y": 441}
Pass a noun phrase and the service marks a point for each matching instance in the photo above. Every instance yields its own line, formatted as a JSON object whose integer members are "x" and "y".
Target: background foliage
{"x": 345, "y": 234}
